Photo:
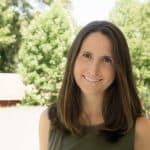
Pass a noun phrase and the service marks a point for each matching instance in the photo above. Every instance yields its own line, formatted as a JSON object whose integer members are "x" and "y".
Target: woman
{"x": 98, "y": 106}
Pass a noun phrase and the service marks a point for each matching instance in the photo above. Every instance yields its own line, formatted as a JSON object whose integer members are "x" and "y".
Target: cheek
{"x": 77, "y": 70}
{"x": 80, "y": 66}
{"x": 109, "y": 73}
{"x": 112, "y": 74}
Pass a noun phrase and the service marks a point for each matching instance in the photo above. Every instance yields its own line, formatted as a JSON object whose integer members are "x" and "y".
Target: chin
{"x": 91, "y": 92}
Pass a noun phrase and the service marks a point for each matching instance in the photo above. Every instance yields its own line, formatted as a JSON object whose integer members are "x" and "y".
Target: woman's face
{"x": 93, "y": 70}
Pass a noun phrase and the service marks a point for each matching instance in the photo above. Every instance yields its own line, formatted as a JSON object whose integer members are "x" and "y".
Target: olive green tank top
{"x": 90, "y": 141}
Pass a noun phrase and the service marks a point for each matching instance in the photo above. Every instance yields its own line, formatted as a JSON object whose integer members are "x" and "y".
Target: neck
{"x": 92, "y": 108}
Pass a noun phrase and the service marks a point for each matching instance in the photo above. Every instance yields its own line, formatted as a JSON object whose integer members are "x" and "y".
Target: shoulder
{"x": 44, "y": 126}
{"x": 142, "y": 127}
{"x": 142, "y": 134}
{"x": 44, "y": 120}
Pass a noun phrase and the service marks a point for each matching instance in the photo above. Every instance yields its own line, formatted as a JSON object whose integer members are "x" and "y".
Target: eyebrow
{"x": 100, "y": 56}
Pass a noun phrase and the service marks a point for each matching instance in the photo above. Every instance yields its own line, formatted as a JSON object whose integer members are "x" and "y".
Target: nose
{"x": 94, "y": 69}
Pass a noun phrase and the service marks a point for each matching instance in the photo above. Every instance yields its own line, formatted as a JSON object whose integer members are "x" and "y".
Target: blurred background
{"x": 35, "y": 36}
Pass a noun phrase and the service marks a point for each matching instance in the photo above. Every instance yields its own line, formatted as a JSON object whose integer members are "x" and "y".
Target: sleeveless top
{"x": 89, "y": 141}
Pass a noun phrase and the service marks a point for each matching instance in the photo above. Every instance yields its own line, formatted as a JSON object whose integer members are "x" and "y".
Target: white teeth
{"x": 91, "y": 80}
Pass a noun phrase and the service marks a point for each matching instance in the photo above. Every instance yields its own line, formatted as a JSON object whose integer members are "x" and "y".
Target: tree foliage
{"x": 13, "y": 14}
{"x": 133, "y": 17}
{"x": 42, "y": 54}
{"x": 64, "y": 3}
{"x": 9, "y": 35}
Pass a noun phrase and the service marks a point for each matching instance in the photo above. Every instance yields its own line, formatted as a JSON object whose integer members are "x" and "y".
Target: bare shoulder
{"x": 44, "y": 126}
{"x": 44, "y": 117}
{"x": 142, "y": 134}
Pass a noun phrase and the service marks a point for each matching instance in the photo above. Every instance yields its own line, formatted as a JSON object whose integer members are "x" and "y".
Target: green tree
{"x": 132, "y": 16}
{"x": 43, "y": 54}
{"x": 64, "y": 3}
{"x": 9, "y": 35}
{"x": 13, "y": 14}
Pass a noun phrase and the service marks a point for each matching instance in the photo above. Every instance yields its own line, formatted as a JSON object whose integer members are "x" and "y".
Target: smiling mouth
{"x": 92, "y": 80}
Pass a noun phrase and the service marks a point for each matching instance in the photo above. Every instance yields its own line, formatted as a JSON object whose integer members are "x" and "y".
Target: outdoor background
{"x": 35, "y": 36}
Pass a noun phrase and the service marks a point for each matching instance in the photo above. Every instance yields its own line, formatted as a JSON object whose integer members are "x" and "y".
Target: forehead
{"x": 97, "y": 42}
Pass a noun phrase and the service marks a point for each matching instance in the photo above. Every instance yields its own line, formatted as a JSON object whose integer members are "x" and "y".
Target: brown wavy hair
{"x": 121, "y": 104}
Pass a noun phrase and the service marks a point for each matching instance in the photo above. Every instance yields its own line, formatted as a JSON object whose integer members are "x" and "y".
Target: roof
{"x": 11, "y": 87}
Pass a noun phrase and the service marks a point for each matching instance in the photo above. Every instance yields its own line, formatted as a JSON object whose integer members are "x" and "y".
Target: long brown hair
{"x": 121, "y": 105}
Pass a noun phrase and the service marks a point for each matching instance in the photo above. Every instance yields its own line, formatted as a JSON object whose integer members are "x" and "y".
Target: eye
{"x": 107, "y": 59}
{"x": 87, "y": 55}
